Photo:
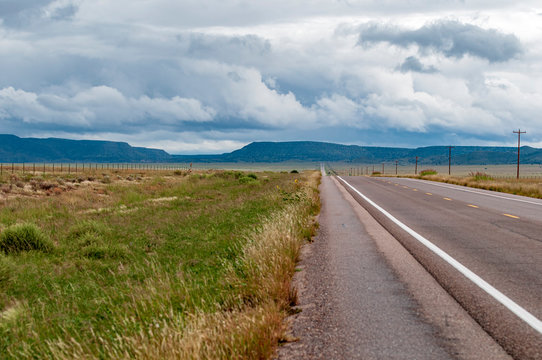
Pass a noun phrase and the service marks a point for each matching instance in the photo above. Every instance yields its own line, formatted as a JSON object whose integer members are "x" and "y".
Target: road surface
{"x": 496, "y": 237}
{"x": 363, "y": 296}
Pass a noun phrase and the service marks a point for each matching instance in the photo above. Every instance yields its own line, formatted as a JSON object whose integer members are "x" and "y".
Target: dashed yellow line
{"x": 511, "y": 216}
{"x": 428, "y": 194}
{"x": 447, "y": 199}
{"x": 414, "y": 189}
{"x": 405, "y": 187}
{"x": 473, "y": 206}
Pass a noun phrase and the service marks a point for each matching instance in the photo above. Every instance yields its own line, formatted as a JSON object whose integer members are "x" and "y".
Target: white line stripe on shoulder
{"x": 520, "y": 312}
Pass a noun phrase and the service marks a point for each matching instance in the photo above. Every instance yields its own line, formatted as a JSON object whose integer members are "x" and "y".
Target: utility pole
{"x": 450, "y": 159}
{"x": 396, "y": 167}
{"x": 519, "y": 132}
{"x": 416, "y": 168}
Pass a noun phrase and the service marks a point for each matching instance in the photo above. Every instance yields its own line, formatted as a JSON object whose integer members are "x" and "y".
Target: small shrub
{"x": 253, "y": 176}
{"x": 46, "y": 185}
{"x": 376, "y": 173}
{"x": 87, "y": 229}
{"x": 89, "y": 239}
{"x": 179, "y": 172}
{"x": 480, "y": 176}
{"x": 428, "y": 172}
{"x": 24, "y": 237}
{"x": 105, "y": 252}
{"x": 294, "y": 172}
{"x": 248, "y": 180}
{"x": 106, "y": 180}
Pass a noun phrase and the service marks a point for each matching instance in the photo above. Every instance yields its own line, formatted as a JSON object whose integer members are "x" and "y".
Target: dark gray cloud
{"x": 172, "y": 74}
{"x": 9, "y": 8}
{"x": 413, "y": 64}
{"x": 20, "y": 13}
{"x": 451, "y": 38}
{"x": 231, "y": 49}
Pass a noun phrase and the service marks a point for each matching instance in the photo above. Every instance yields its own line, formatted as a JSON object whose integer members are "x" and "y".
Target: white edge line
{"x": 520, "y": 312}
{"x": 459, "y": 188}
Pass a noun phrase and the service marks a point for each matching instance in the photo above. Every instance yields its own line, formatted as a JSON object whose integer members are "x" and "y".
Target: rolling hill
{"x": 16, "y": 149}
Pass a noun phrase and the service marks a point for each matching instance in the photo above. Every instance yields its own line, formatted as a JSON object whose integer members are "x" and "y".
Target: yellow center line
{"x": 405, "y": 187}
{"x": 396, "y": 184}
{"x": 511, "y": 216}
{"x": 473, "y": 206}
{"x": 414, "y": 189}
{"x": 428, "y": 194}
{"x": 447, "y": 199}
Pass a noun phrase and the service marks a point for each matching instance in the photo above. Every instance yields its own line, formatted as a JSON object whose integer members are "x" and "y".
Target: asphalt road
{"x": 496, "y": 236}
{"x": 361, "y": 295}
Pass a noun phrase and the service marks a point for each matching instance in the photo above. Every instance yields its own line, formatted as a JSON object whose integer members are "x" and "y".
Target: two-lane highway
{"x": 497, "y": 237}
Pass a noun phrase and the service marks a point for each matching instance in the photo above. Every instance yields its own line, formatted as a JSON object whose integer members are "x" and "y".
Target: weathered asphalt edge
{"x": 373, "y": 317}
{"x": 517, "y": 338}
{"x": 456, "y": 327}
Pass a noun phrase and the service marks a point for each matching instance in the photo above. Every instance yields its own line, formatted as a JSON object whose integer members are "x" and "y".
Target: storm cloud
{"x": 451, "y": 38}
{"x": 412, "y": 63}
{"x": 211, "y": 76}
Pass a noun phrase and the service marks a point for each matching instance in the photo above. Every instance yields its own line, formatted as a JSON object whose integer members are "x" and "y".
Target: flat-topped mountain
{"x": 321, "y": 151}
{"x": 16, "y": 149}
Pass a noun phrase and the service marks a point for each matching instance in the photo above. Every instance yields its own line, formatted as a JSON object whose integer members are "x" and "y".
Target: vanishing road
{"x": 468, "y": 286}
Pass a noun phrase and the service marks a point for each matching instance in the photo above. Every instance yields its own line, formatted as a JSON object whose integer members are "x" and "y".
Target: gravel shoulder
{"x": 362, "y": 296}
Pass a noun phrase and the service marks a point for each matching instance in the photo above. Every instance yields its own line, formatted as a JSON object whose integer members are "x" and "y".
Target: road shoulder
{"x": 354, "y": 304}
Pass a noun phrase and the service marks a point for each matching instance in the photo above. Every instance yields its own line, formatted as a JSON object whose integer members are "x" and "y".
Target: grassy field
{"x": 281, "y": 166}
{"x": 531, "y": 187}
{"x": 150, "y": 265}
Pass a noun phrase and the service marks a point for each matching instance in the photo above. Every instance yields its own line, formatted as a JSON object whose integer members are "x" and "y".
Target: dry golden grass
{"x": 246, "y": 322}
{"x": 524, "y": 187}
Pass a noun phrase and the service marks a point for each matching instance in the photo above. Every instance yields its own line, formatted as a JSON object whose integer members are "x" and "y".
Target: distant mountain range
{"x": 16, "y": 149}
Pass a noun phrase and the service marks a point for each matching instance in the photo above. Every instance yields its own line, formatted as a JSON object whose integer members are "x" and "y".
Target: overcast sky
{"x": 209, "y": 76}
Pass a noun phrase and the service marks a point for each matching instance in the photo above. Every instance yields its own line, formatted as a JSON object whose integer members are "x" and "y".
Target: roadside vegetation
{"x": 150, "y": 265}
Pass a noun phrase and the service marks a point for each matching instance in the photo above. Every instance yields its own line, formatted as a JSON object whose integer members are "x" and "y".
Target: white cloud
{"x": 224, "y": 73}
{"x": 99, "y": 108}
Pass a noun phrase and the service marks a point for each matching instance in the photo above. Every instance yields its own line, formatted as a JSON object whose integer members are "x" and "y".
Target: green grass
{"x": 133, "y": 265}
{"x": 427, "y": 172}
{"x": 24, "y": 237}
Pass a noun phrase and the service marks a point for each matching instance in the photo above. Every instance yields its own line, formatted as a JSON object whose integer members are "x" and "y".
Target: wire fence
{"x": 69, "y": 168}
{"x": 503, "y": 172}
